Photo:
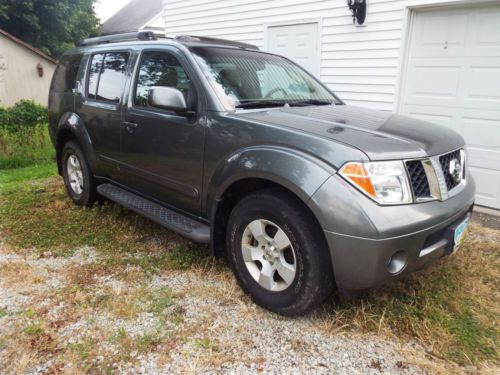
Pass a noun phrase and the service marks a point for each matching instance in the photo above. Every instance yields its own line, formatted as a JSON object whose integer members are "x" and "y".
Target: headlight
{"x": 386, "y": 182}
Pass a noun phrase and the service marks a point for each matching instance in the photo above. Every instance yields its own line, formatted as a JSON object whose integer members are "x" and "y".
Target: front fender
{"x": 297, "y": 171}
{"x": 72, "y": 123}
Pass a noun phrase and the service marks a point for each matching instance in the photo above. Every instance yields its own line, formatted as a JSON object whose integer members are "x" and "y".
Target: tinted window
{"x": 160, "y": 69}
{"x": 66, "y": 72}
{"x": 107, "y": 76}
{"x": 94, "y": 71}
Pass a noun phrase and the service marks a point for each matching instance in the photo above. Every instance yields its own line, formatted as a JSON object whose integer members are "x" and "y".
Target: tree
{"x": 52, "y": 26}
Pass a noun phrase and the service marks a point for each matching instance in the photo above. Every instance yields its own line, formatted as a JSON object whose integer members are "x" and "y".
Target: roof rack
{"x": 209, "y": 40}
{"x": 137, "y": 35}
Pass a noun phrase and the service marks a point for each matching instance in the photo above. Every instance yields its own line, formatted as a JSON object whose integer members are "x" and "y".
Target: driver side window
{"x": 159, "y": 68}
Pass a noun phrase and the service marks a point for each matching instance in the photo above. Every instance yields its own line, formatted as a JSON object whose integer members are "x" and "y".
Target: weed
{"x": 83, "y": 349}
{"x": 33, "y": 329}
{"x": 3, "y": 312}
{"x": 160, "y": 299}
{"x": 184, "y": 256}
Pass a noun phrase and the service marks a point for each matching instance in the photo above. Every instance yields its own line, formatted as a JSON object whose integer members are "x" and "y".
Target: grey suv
{"x": 245, "y": 150}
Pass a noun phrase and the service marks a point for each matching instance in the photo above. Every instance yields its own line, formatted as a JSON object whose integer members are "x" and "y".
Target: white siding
{"x": 359, "y": 63}
{"x": 19, "y": 77}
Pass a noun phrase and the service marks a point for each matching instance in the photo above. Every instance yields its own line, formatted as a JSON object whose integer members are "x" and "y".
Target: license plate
{"x": 459, "y": 233}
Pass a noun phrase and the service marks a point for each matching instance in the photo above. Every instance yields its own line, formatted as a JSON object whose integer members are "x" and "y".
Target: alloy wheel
{"x": 269, "y": 255}
{"x": 75, "y": 174}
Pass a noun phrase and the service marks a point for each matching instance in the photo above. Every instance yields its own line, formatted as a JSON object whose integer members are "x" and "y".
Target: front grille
{"x": 445, "y": 160}
{"x": 418, "y": 179}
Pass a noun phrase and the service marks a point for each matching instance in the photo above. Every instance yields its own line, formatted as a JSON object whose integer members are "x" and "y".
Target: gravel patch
{"x": 211, "y": 328}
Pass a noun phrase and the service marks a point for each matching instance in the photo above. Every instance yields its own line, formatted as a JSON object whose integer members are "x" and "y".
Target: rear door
{"x": 100, "y": 108}
{"x": 162, "y": 151}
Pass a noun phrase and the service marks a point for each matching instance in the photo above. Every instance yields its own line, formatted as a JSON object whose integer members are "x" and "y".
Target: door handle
{"x": 130, "y": 126}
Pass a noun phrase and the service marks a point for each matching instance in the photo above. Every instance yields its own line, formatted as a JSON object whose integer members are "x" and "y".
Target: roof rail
{"x": 137, "y": 35}
{"x": 210, "y": 40}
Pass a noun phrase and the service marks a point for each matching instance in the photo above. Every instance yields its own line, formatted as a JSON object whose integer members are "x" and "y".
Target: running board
{"x": 179, "y": 223}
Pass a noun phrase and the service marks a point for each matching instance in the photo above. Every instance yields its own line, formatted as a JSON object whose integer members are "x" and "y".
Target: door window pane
{"x": 107, "y": 76}
{"x": 159, "y": 69}
{"x": 112, "y": 77}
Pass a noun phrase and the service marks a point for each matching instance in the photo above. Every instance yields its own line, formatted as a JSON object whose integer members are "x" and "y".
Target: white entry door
{"x": 298, "y": 42}
{"x": 452, "y": 78}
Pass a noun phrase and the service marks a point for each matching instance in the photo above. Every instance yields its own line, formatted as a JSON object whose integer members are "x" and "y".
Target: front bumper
{"x": 363, "y": 236}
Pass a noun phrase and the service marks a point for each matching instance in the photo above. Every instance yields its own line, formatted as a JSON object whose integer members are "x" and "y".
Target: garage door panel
{"x": 487, "y": 187}
{"x": 436, "y": 81}
{"x": 485, "y": 82}
{"x": 481, "y": 157}
{"x": 453, "y": 79}
{"x": 482, "y": 133}
{"x": 487, "y": 31}
{"x": 440, "y": 34}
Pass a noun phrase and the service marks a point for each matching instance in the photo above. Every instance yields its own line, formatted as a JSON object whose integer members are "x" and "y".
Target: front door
{"x": 162, "y": 151}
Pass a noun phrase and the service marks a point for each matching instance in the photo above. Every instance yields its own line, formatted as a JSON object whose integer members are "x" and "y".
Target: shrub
{"x": 23, "y": 135}
{"x": 23, "y": 119}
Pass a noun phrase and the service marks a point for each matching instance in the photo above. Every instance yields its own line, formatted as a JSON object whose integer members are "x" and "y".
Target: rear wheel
{"x": 78, "y": 179}
{"x": 278, "y": 252}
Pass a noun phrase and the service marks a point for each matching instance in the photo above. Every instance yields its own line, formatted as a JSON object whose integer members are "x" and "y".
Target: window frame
{"x": 87, "y": 74}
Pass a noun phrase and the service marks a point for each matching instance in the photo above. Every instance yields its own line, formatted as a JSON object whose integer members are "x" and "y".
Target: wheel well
{"x": 231, "y": 196}
{"x": 62, "y": 138}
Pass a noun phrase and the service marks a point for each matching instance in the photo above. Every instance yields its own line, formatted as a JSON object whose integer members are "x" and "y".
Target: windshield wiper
{"x": 310, "y": 102}
{"x": 260, "y": 104}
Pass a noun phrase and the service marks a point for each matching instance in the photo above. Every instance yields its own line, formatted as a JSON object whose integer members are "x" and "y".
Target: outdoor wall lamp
{"x": 358, "y": 9}
{"x": 39, "y": 68}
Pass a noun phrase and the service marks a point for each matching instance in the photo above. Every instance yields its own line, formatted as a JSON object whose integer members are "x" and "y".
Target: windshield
{"x": 249, "y": 79}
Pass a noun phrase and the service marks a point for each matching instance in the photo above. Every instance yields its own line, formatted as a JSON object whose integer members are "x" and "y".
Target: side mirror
{"x": 167, "y": 98}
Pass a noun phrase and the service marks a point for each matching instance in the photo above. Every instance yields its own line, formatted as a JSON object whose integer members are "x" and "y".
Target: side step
{"x": 179, "y": 223}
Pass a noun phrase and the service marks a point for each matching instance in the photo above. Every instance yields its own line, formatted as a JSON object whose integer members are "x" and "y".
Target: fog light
{"x": 397, "y": 262}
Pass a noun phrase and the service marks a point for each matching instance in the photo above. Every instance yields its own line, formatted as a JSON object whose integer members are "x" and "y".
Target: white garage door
{"x": 297, "y": 42}
{"x": 453, "y": 78}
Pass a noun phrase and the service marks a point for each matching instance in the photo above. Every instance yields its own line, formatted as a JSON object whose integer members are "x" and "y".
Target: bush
{"x": 23, "y": 119}
{"x": 24, "y": 137}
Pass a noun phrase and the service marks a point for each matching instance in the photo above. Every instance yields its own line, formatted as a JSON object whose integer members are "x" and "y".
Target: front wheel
{"x": 78, "y": 179}
{"x": 278, "y": 252}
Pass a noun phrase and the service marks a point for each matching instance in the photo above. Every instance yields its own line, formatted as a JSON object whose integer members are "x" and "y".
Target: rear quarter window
{"x": 66, "y": 73}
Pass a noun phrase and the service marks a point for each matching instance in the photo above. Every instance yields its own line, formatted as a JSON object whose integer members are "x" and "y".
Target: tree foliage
{"x": 52, "y": 26}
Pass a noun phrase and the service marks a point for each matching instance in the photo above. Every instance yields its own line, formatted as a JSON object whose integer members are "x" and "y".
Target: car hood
{"x": 380, "y": 135}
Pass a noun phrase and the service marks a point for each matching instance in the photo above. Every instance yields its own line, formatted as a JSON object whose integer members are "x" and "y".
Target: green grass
{"x": 33, "y": 329}
{"x": 15, "y": 153}
{"x": 13, "y": 179}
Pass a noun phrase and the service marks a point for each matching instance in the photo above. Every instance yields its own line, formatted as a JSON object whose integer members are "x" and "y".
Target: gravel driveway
{"x": 219, "y": 329}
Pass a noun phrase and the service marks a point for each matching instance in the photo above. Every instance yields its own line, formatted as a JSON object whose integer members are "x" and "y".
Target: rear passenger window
{"x": 66, "y": 73}
{"x": 107, "y": 76}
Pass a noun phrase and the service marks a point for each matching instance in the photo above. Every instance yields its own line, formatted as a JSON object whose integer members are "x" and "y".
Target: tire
{"x": 78, "y": 178}
{"x": 274, "y": 212}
